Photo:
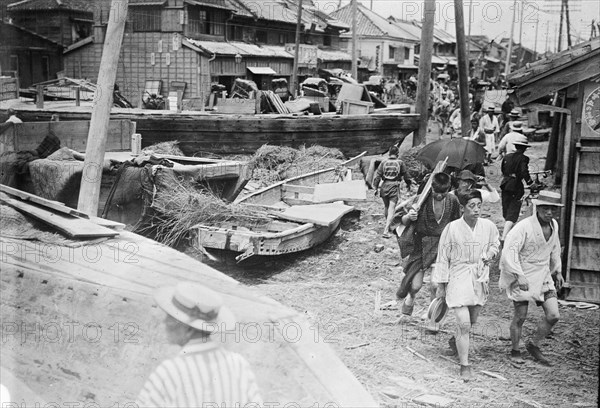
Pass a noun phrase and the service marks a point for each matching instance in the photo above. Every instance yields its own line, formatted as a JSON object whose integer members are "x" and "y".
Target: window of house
{"x": 392, "y": 52}
{"x": 235, "y": 33}
{"x": 145, "y": 19}
{"x": 406, "y": 53}
{"x": 327, "y": 39}
{"x": 206, "y": 21}
{"x": 261, "y": 36}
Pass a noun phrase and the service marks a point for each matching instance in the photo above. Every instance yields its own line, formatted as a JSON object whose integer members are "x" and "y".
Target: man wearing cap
{"x": 515, "y": 169}
{"x": 203, "y": 372}
{"x": 466, "y": 182}
{"x": 530, "y": 260}
{"x": 489, "y": 124}
{"x": 506, "y": 145}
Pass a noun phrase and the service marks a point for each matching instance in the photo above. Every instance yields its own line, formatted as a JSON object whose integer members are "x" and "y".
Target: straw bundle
{"x": 171, "y": 148}
{"x": 181, "y": 205}
{"x": 416, "y": 169}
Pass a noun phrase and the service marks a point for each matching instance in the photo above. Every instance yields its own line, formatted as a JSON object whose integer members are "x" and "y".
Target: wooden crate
{"x": 350, "y": 107}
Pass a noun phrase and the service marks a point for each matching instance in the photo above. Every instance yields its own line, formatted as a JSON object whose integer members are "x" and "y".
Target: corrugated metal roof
{"x": 262, "y": 70}
{"x": 77, "y": 5}
{"x": 147, "y": 2}
{"x": 371, "y": 24}
{"x": 235, "y": 47}
{"x": 328, "y": 55}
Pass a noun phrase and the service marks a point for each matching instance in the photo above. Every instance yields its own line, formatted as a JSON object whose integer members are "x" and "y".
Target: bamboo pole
{"x": 89, "y": 192}
{"x": 463, "y": 68}
{"x": 422, "y": 102}
{"x": 294, "y": 84}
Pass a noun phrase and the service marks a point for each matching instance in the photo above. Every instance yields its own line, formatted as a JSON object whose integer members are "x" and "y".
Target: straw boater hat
{"x": 490, "y": 109}
{"x": 548, "y": 198}
{"x": 514, "y": 113}
{"x": 526, "y": 144}
{"x": 196, "y": 306}
{"x": 437, "y": 311}
{"x": 516, "y": 125}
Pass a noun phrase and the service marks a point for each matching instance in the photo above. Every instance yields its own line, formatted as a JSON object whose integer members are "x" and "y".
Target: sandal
{"x": 407, "y": 309}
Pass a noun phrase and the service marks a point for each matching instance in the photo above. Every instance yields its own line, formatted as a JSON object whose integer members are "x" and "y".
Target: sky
{"x": 493, "y": 18}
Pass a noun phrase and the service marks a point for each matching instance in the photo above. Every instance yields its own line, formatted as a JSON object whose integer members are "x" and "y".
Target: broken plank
{"x": 74, "y": 227}
{"x": 355, "y": 190}
{"x": 318, "y": 214}
{"x": 54, "y": 205}
{"x": 493, "y": 375}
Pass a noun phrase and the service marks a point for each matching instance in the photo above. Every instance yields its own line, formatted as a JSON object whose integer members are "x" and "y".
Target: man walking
{"x": 530, "y": 260}
{"x": 203, "y": 372}
{"x": 390, "y": 171}
{"x": 506, "y": 145}
{"x": 489, "y": 124}
{"x": 515, "y": 169}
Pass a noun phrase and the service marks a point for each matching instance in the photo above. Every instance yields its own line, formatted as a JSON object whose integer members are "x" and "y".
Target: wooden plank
{"x": 586, "y": 221}
{"x": 354, "y": 190}
{"x": 53, "y": 205}
{"x": 585, "y": 254}
{"x": 74, "y": 227}
{"x": 573, "y": 206}
{"x": 318, "y": 214}
{"x": 237, "y": 106}
{"x": 292, "y": 188}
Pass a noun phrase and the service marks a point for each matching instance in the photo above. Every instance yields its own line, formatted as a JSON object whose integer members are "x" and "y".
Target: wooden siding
{"x": 228, "y": 67}
{"x": 135, "y": 65}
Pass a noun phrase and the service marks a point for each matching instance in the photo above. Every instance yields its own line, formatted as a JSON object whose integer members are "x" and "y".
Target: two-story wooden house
{"x": 196, "y": 43}
{"x": 382, "y": 45}
{"x": 62, "y": 21}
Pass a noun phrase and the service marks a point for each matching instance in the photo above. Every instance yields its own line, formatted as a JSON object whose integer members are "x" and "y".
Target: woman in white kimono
{"x": 467, "y": 247}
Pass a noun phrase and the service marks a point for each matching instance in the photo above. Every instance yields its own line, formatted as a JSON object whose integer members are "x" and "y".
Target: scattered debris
{"x": 493, "y": 375}
{"x": 378, "y": 248}
{"x": 434, "y": 400}
{"x": 421, "y": 356}
{"x": 357, "y": 346}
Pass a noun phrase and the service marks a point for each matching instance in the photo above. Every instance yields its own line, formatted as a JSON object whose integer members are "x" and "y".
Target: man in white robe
{"x": 530, "y": 259}
{"x": 461, "y": 273}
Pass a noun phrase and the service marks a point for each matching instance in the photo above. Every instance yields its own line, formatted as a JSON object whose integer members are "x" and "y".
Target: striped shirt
{"x": 203, "y": 373}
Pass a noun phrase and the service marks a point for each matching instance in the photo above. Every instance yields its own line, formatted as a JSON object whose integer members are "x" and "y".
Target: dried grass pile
{"x": 276, "y": 163}
{"x": 171, "y": 148}
{"x": 181, "y": 205}
{"x": 416, "y": 169}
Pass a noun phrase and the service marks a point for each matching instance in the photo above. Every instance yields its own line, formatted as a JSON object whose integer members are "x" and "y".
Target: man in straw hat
{"x": 529, "y": 262}
{"x": 506, "y": 145}
{"x": 461, "y": 274}
{"x": 512, "y": 117}
{"x": 515, "y": 169}
{"x": 203, "y": 372}
{"x": 489, "y": 124}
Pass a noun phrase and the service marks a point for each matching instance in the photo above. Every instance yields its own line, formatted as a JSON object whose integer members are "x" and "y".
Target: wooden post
{"x": 39, "y": 100}
{"x": 354, "y": 65}
{"x": 89, "y": 192}
{"x": 510, "y": 43}
{"x": 573, "y": 203}
{"x": 422, "y": 102}
{"x": 564, "y": 182}
{"x": 294, "y": 84}
{"x": 179, "y": 101}
{"x": 463, "y": 68}
{"x": 77, "y": 96}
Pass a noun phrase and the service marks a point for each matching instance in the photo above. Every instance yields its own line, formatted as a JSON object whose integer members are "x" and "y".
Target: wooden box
{"x": 350, "y": 107}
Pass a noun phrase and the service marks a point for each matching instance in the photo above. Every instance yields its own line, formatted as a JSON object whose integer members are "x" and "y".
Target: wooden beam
{"x": 422, "y": 102}
{"x": 572, "y": 217}
{"x": 547, "y": 108}
{"x": 564, "y": 182}
{"x": 558, "y": 80}
{"x": 53, "y": 205}
{"x": 89, "y": 193}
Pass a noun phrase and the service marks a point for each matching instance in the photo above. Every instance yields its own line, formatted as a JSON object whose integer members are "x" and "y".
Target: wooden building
{"x": 573, "y": 152}
{"x": 27, "y": 55}
{"x": 193, "y": 44}
{"x": 62, "y": 21}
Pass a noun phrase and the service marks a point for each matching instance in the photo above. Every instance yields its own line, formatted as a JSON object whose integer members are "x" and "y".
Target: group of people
{"x": 447, "y": 239}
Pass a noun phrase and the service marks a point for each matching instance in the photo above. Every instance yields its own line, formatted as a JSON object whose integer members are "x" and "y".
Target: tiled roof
{"x": 244, "y": 49}
{"x": 371, "y": 24}
{"x": 77, "y": 5}
{"x": 283, "y": 11}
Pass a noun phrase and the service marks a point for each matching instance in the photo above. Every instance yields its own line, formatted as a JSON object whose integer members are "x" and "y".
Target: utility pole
{"x": 89, "y": 192}
{"x": 560, "y": 27}
{"x": 568, "y": 22}
{"x": 537, "y": 26}
{"x": 521, "y": 22}
{"x": 469, "y": 35}
{"x": 510, "y": 42}
{"x": 294, "y": 84}
{"x": 463, "y": 67}
{"x": 354, "y": 35}
{"x": 422, "y": 102}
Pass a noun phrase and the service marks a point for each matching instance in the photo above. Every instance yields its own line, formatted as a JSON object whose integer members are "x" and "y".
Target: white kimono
{"x": 527, "y": 253}
{"x": 459, "y": 261}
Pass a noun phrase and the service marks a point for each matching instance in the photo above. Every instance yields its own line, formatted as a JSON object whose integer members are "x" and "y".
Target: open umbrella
{"x": 460, "y": 152}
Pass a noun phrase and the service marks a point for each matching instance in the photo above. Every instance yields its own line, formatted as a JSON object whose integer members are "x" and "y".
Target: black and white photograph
{"x": 299, "y": 203}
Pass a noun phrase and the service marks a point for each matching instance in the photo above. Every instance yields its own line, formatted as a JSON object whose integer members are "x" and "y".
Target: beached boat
{"x": 199, "y": 131}
{"x": 306, "y": 210}
{"x": 80, "y": 324}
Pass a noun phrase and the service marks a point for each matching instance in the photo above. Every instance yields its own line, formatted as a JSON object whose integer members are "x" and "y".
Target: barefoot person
{"x": 439, "y": 209}
{"x": 467, "y": 246}
{"x": 531, "y": 258}
{"x": 203, "y": 372}
{"x": 390, "y": 172}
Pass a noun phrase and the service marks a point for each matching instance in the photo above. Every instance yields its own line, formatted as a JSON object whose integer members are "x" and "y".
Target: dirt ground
{"x": 336, "y": 285}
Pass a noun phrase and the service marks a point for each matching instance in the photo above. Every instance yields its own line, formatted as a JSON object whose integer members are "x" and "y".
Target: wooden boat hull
{"x": 299, "y": 237}
{"x": 200, "y": 132}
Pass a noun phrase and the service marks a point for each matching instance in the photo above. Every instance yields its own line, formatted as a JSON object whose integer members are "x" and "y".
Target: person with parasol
{"x": 466, "y": 248}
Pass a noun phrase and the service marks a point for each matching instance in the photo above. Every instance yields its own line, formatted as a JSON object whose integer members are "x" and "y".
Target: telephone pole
{"x": 422, "y": 102}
